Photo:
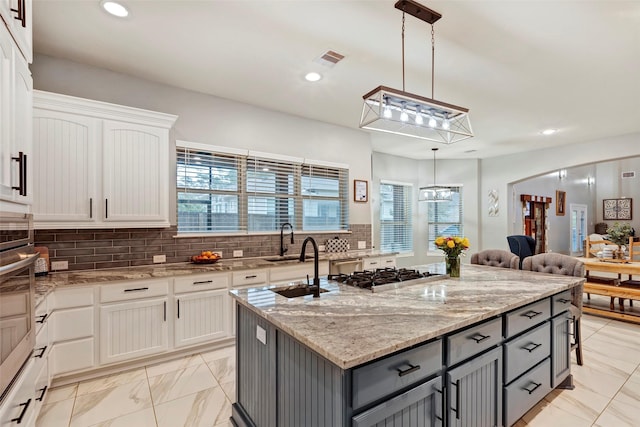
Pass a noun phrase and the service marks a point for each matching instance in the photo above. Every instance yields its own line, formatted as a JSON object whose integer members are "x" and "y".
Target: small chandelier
{"x": 434, "y": 192}
{"x": 403, "y": 113}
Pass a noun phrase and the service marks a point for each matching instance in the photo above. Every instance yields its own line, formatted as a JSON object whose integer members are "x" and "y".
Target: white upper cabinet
{"x": 17, "y": 17}
{"x": 16, "y": 89}
{"x": 99, "y": 165}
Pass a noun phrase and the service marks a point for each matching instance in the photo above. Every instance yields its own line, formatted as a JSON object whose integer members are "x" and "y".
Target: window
{"x": 230, "y": 192}
{"x": 396, "y": 228}
{"x": 445, "y": 218}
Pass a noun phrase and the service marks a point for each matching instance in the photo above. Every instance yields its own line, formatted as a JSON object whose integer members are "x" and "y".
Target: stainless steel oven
{"x": 17, "y": 280}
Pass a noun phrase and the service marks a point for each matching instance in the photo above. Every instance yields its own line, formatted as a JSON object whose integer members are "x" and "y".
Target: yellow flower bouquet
{"x": 452, "y": 246}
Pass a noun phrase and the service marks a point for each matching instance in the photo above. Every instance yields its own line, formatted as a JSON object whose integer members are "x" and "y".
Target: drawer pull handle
{"x": 178, "y": 309}
{"x": 42, "y": 350}
{"x": 25, "y": 406}
{"x": 457, "y": 408}
{"x": 389, "y": 261}
{"x": 531, "y": 347}
{"x": 412, "y": 368}
{"x": 564, "y": 300}
{"x": 136, "y": 289}
{"x": 203, "y": 282}
{"x": 253, "y": 276}
{"x": 478, "y": 338}
{"x": 531, "y": 314}
{"x": 535, "y": 387}
{"x": 42, "y": 318}
{"x": 43, "y": 390}
{"x": 374, "y": 263}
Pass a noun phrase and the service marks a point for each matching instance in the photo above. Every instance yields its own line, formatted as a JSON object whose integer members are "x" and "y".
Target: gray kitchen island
{"x": 479, "y": 350}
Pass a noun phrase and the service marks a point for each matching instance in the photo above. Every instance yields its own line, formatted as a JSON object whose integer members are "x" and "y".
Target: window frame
{"x": 456, "y": 189}
{"x": 249, "y": 188}
{"x": 407, "y": 213}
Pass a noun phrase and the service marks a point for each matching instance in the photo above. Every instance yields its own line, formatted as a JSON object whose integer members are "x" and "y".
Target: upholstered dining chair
{"x": 569, "y": 266}
{"x": 496, "y": 258}
{"x": 522, "y": 245}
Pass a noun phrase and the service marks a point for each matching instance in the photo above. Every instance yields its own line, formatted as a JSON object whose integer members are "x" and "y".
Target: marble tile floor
{"x": 197, "y": 391}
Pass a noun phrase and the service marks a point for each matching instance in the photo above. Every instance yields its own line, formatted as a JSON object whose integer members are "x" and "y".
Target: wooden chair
{"x": 555, "y": 263}
{"x": 634, "y": 255}
{"x": 594, "y": 244}
{"x": 496, "y": 258}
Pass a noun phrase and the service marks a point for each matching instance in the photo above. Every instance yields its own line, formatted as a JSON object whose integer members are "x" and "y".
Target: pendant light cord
{"x": 433, "y": 62}
{"x": 434, "y": 166}
{"x": 403, "y": 49}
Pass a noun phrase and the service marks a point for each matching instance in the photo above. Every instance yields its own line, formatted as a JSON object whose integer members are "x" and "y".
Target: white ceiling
{"x": 519, "y": 66}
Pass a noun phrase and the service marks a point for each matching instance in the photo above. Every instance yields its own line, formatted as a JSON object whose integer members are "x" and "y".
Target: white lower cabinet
{"x": 72, "y": 356}
{"x": 201, "y": 317}
{"x": 20, "y": 406}
{"x": 133, "y": 329}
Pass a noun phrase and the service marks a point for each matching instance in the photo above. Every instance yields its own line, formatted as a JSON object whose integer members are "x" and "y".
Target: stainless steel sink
{"x": 295, "y": 291}
{"x": 286, "y": 258}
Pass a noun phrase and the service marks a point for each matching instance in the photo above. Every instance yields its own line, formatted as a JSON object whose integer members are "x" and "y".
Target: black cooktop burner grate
{"x": 381, "y": 276}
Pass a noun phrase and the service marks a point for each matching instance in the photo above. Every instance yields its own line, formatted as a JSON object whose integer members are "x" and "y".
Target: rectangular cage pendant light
{"x": 403, "y": 113}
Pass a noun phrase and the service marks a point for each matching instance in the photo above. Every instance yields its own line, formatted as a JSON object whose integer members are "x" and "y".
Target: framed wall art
{"x": 617, "y": 209}
{"x": 360, "y": 191}
{"x": 561, "y": 202}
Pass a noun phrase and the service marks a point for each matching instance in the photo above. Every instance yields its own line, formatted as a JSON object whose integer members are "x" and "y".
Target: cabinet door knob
{"x": 25, "y": 406}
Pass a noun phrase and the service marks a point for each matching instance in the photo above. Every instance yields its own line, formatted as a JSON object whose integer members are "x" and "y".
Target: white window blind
{"x": 445, "y": 218}
{"x": 223, "y": 192}
{"x": 396, "y": 227}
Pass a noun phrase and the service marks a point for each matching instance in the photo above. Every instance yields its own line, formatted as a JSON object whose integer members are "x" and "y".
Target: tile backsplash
{"x": 108, "y": 248}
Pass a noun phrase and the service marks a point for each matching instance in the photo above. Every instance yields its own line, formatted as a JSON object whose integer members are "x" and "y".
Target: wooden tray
{"x": 617, "y": 260}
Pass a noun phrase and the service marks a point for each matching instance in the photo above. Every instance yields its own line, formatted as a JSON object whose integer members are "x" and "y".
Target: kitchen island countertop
{"x": 351, "y": 326}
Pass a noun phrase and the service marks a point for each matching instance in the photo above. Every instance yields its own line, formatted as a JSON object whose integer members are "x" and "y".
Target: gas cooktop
{"x": 382, "y": 278}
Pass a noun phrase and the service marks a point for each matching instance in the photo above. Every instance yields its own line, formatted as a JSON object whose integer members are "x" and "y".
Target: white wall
{"x": 212, "y": 120}
{"x": 500, "y": 172}
{"x": 420, "y": 173}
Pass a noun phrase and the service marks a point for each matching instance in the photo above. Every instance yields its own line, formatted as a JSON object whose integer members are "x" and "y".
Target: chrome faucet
{"x": 282, "y": 248}
{"x": 316, "y": 279}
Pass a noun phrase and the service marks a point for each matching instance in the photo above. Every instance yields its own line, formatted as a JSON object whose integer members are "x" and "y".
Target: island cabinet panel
{"x": 420, "y": 406}
{"x": 256, "y": 370}
{"x": 527, "y": 317}
{"x": 521, "y": 353}
{"x": 560, "y": 348}
{"x": 474, "y": 392}
{"x": 473, "y": 340}
{"x": 310, "y": 388}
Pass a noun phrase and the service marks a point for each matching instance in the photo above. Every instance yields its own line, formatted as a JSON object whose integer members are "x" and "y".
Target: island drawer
{"x": 560, "y": 302}
{"x": 527, "y": 317}
{"x": 474, "y": 340}
{"x": 386, "y": 376}
{"x": 526, "y": 351}
{"x": 525, "y": 392}
{"x": 201, "y": 282}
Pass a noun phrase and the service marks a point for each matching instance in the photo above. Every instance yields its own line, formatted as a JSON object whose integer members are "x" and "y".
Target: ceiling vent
{"x": 329, "y": 58}
{"x": 626, "y": 175}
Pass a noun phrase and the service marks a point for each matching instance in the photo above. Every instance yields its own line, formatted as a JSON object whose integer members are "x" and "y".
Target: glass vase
{"x": 453, "y": 266}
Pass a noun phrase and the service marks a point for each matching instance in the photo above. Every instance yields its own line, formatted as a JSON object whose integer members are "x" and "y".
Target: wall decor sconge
{"x": 494, "y": 207}
{"x": 360, "y": 191}
{"x": 590, "y": 181}
{"x": 562, "y": 174}
{"x": 561, "y": 202}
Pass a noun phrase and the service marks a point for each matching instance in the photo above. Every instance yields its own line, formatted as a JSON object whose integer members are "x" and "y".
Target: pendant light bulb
{"x": 432, "y": 121}
{"x": 445, "y": 122}
{"x": 387, "y": 109}
{"x": 404, "y": 117}
{"x": 419, "y": 119}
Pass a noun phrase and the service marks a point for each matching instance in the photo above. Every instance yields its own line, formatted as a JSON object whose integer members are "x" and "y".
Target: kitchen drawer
{"x": 474, "y": 340}
{"x": 71, "y": 323}
{"x": 560, "y": 302}
{"x": 526, "y": 351}
{"x": 42, "y": 385}
{"x": 74, "y": 297}
{"x": 201, "y": 282}
{"x": 134, "y": 290}
{"x": 379, "y": 262}
{"x": 384, "y": 377}
{"x": 20, "y": 401}
{"x": 525, "y": 392}
{"x": 250, "y": 277}
{"x": 298, "y": 271}
{"x": 41, "y": 314}
{"x": 527, "y": 317}
{"x": 72, "y": 356}
{"x": 42, "y": 338}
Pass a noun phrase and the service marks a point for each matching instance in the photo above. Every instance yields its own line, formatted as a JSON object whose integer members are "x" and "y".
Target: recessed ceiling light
{"x": 114, "y": 8}
{"x": 549, "y": 131}
{"x": 313, "y": 77}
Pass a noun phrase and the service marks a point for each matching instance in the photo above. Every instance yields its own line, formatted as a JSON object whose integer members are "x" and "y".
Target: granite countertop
{"x": 48, "y": 283}
{"x": 351, "y": 326}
